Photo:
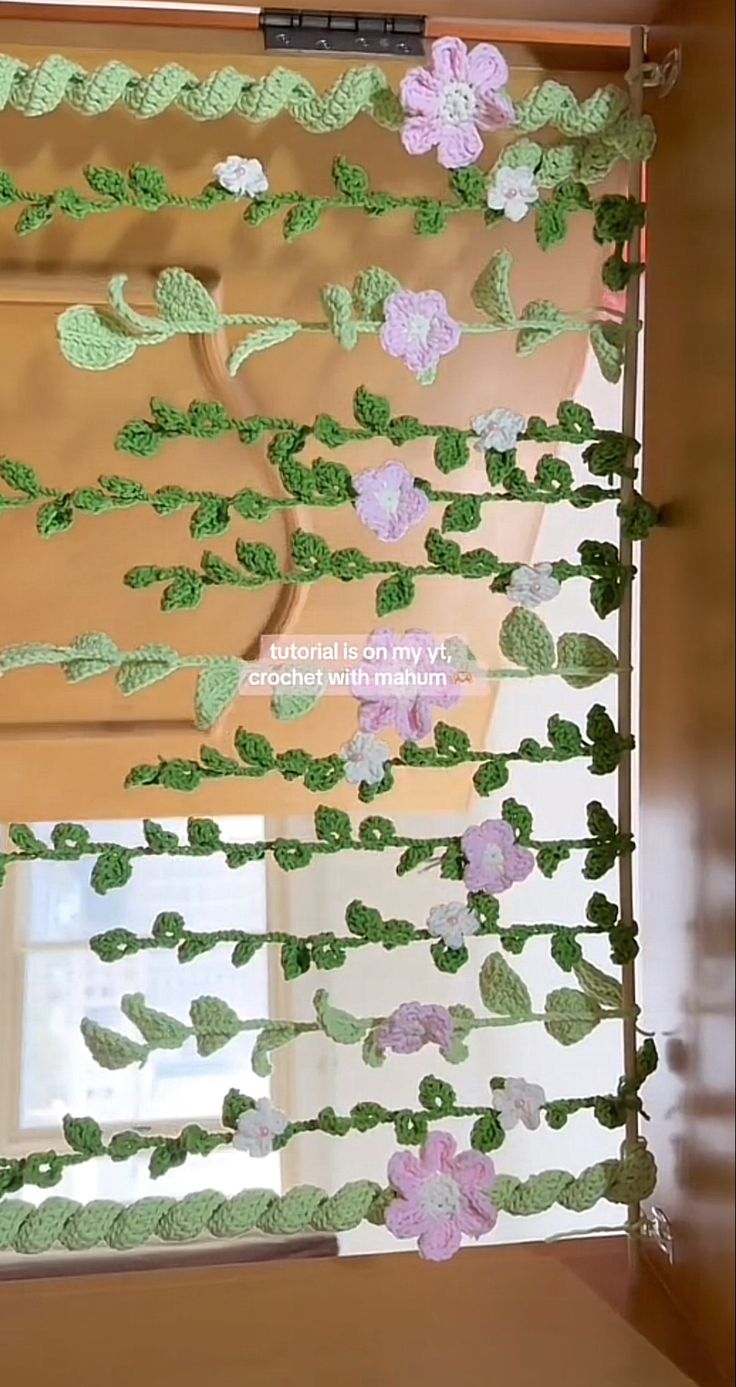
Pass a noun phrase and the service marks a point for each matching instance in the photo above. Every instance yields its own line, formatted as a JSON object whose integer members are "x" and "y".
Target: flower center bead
{"x": 442, "y": 1197}
{"x": 457, "y": 103}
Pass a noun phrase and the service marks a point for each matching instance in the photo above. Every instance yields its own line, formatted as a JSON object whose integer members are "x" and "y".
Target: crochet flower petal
{"x": 406, "y": 1174}
{"x": 440, "y": 1241}
{"x": 437, "y": 1153}
{"x": 494, "y": 112}
{"x": 487, "y": 69}
{"x": 420, "y": 92}
{"x": 476, "y": 1215}
{"x": 459, "y": 145}
{"x": 419, "y": 134}
{"x": 474, "y": 1171}
{"x": 450, "y": 60}
{"x": 406, "y": 1219}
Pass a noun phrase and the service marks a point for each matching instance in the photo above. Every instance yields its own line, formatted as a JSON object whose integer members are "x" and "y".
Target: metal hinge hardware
{"x": 387, "y": 36}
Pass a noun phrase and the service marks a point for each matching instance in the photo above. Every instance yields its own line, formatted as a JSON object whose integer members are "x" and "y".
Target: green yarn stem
{"x": 93, "y": 340}
{"x": 334, "y": 833}
{"x": 37, "y": 90}
{"x": 437, "y": 1101}
{"x": 214, "y": 1023}
{"x": 326, "y": 951}
{"x": 562, "y": 169}
{"x": 608, "y": 455}
{"x": 321, "y": 485}
{"x": 313, "y": 562}
{"x": 74, "y": 1227}
{"x": 259, "y": 758}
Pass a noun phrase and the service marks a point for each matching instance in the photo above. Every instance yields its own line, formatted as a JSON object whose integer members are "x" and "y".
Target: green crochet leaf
{"x": 157, "y": 1028}
{"x": 581, "y": 651}
{"x": 502, "y": 989}
{"x": 371, "y": 1052}
{"x": 339, "y": 1025}
{"x": 525, "y": 641}
{"x": 214, "y": 1023}
{"x": 395, "y": 593}
{"x": 548, "y": 322}
{"x": 608, "y": 343}
{"x": 146, "y": 666}
{"x": 371, "y": 288}
{"x": 491, "y": 292}
{"x": 84, "y": 1135}
{"x": 338, "y": 306}
{"x": 260, "y": 342}
{"x": 110, "y": 1050}
{"x": 217, "y": 688}
{"x": 604, "y": 990}
{"x": 289, "y": 707}
{"x": 93, "y": 341}
{"x": 304, "y": 217}
{"x": 573, "y": 1015}
{"x": 96, "y": 654}
{"x": 184, "y": 302}
{"x": 271, "y": 1038}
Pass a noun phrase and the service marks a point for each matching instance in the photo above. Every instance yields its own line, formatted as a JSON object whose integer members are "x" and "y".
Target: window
{"x": 50, "y": 979}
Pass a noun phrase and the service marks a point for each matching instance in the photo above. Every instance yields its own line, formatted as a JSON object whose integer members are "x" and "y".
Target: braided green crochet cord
{"x": 75, "y": 1227}
{"x": 37, "y": 90}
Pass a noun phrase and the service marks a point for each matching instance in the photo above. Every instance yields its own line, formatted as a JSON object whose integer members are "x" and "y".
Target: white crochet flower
{"x": 365, "y": 757}
{"x": 531, "y": 584}
{"x": 242, "y": 177}
{"x": 513, "y": 192}
{"x": 452, "y": 923}
{"x": 517, "y": 1102}
{"x": 257, "y": 1128}
{"x": 499, "y": 430}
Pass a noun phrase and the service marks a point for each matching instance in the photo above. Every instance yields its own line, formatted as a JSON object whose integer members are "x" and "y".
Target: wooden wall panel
{"x": 686, "y": 858}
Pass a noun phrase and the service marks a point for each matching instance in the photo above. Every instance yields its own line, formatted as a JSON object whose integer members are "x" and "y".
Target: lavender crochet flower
{"x": 449, "y": 103}
{"x": 494, "y": 860}
{"x": 440, "y": 1196}
{"x": 400, "y": 683}
{"x": 414, "y": 1025}
{"x": 418, "y": 330}
{"x": 389, "y": 501}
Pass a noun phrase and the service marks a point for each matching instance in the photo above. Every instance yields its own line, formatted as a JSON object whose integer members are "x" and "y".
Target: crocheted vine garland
{"x": 495, "y": 435}
{"x": 568, "y": 1015}
{"x": 257, "y": 757}
{"x": 313, "y": 561}
{"x": 580, "y": 660}
{"x": 447, "y": 928}
{"x": 458, "y": 857}
{"x": 64, "y": 1223}
{"x": 564, "y": 170}
{"x": 376, "y": 306}
{"x": 38, "y": 90}
{"x": 437, "y": 1102}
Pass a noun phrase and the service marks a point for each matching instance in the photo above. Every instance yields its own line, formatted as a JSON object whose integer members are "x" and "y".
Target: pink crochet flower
{"x": 419, "y": 330}
{"x": 449, "y": 103}
{"x": 494, "y": 860}
{"x": 441, "y": 1196}
{"x": 401, "y": 702}
{"x": 389, "y": 501}
{"x": 414, "y": 1025}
